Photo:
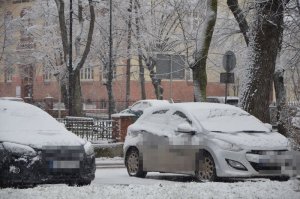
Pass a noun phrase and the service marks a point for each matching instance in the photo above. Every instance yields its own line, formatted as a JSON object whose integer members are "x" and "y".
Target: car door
{"x": 181, "y": 153}
{"x": 154, "y": 140}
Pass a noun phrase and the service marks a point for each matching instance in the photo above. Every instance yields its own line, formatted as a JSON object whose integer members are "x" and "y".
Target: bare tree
{"x": 264, "y": 39}
{"x": 74, "y": 92}
{"x": 140, "y": 56}
{"x": 155, "y": 34}
{"x": 128, "y": 62}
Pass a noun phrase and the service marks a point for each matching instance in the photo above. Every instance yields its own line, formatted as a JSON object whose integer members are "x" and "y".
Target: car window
{"x": 136, "y": 106}
{"x": 182, "y": 116}
{"x": 176, "y": 119}
{"x": 160, "y": 112}
{"x": 157, "y": 117}
{"x": 144, "y": 105}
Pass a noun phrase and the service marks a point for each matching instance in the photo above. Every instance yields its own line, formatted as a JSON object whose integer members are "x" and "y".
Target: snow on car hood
{"x": 254, "y": 140}
{"x": 26, "y": 124}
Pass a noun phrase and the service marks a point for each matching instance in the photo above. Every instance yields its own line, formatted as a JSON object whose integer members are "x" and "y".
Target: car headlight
{"x": 227, "y": 146}
{"x": 88, "y": 148}
{"x": 19, "y": 149}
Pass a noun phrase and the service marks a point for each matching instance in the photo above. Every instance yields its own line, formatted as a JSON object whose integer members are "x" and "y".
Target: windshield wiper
{"x": 254, "y": 131}
{"x": 218, "y": 131}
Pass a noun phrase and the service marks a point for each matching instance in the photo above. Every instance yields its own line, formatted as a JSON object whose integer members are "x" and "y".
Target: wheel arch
{"x": 129, "y": 148}
{"x": 207, "y": 151}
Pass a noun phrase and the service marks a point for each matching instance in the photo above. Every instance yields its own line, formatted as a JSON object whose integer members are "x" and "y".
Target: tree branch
{"x": 62, "y": 24}
{"x": 89, "y": 38}
{"x": 240, "y": 18}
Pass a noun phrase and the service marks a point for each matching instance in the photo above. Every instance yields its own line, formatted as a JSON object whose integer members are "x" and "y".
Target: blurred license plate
{"x": 64, "y": 164}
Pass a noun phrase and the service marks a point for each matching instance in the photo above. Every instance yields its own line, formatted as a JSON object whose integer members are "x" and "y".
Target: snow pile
{"x": 268, "y": 189}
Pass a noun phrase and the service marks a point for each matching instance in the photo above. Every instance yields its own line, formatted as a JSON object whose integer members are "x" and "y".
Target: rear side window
{"x": 160, "y": 112}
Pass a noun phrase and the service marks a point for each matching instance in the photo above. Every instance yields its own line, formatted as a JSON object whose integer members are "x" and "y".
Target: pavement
{"x": 117, "y": 162}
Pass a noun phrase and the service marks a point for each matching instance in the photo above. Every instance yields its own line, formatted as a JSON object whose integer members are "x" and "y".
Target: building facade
{"x": 22, "y": 76}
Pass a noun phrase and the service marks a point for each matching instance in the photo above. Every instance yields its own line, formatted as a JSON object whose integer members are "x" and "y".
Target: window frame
{"x": 87, "y": 74}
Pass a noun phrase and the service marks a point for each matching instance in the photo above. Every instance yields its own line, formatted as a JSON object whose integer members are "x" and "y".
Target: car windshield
{"x": 26, "y": 124}
{"x": 229, "y": 120}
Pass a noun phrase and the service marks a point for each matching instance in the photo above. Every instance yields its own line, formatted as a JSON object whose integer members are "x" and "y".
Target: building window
{"x": 8, "y": 76}
{"x": 47, "y": 76}
{"x": 103, "y": 104}
{"x": 87, "y": 74}
{"x": 170, "y": 66}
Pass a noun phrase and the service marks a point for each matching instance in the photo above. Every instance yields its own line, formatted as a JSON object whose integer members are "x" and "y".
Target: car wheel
{"x": 280, "y": 178}
{"x": 83, "y": 183}
{"x": 134, "y": 165}
{"x": 79, "y": 183}
{"x": 206, "y": 169}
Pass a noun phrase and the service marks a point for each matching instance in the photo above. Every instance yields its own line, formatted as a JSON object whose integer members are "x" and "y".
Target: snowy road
{"x": 119, "y": 176}
{"x": 115, "y": 183}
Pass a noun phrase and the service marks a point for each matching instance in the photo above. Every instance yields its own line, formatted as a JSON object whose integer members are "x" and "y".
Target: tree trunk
{"x": 74, "y": 89}
{"x": 111, "y": 100}
{"x": 128, "y": 63}
{"x": 142, "y": 77}
{"x": 155, "y": 81}
{"x": 282, "y": 111}
{"x": 140, "y": 58}
{"x": 240, "y": 18}
{"x": 264, "y": 45}
{"x": 199, "y": 69}
{"x": 75, "y": 94}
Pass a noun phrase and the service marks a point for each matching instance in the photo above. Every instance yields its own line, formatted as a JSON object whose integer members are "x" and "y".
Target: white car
{"x": 207, "y": 140}
{"x": 138, "y": 107}
{"x": 18, "y": 99}
{"x": 35, "y": 149}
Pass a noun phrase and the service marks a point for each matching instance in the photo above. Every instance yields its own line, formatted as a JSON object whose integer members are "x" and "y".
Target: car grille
{"x": 263, "y": 167}
{"x": 63, "y": 158}
{"x": 264, "y": 152}
{"x": 267, "y": 167}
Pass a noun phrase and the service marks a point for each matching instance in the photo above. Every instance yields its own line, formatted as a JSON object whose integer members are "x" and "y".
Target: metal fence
{"x": 91, "y": 129}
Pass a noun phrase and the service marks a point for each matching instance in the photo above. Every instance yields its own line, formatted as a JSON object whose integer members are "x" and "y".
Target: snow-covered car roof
{"x": 151, "y": 102}
{"x": 138, "y": 107}
{"x": 24, "y": 123}
{"x": 217, "y": 117}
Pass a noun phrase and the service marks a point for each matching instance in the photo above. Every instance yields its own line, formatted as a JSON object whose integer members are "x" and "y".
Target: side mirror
{"x": 186, "y": 128}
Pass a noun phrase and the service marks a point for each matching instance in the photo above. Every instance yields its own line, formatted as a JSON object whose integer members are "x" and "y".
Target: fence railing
{"x": 91, "y": 129}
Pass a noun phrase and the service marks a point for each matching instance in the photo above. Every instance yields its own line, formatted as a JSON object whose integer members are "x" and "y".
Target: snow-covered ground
{"x": 115, "y": 183}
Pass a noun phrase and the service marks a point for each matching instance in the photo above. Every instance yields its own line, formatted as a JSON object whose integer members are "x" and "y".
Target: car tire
{"x": 79, "y": 183}
{"x": 206, "y": 169}
{"x": 134, "y": 164}
{"x": 280, "y": 178}
{"x": 83, "y": 183}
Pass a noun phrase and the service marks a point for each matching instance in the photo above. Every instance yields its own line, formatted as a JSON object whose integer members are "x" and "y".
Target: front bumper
{"x": 46, "y": 168}
{"x": 258, "y": 163}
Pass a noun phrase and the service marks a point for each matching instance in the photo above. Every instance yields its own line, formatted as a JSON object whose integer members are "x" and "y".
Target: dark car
{"x": 36, "y": 149}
